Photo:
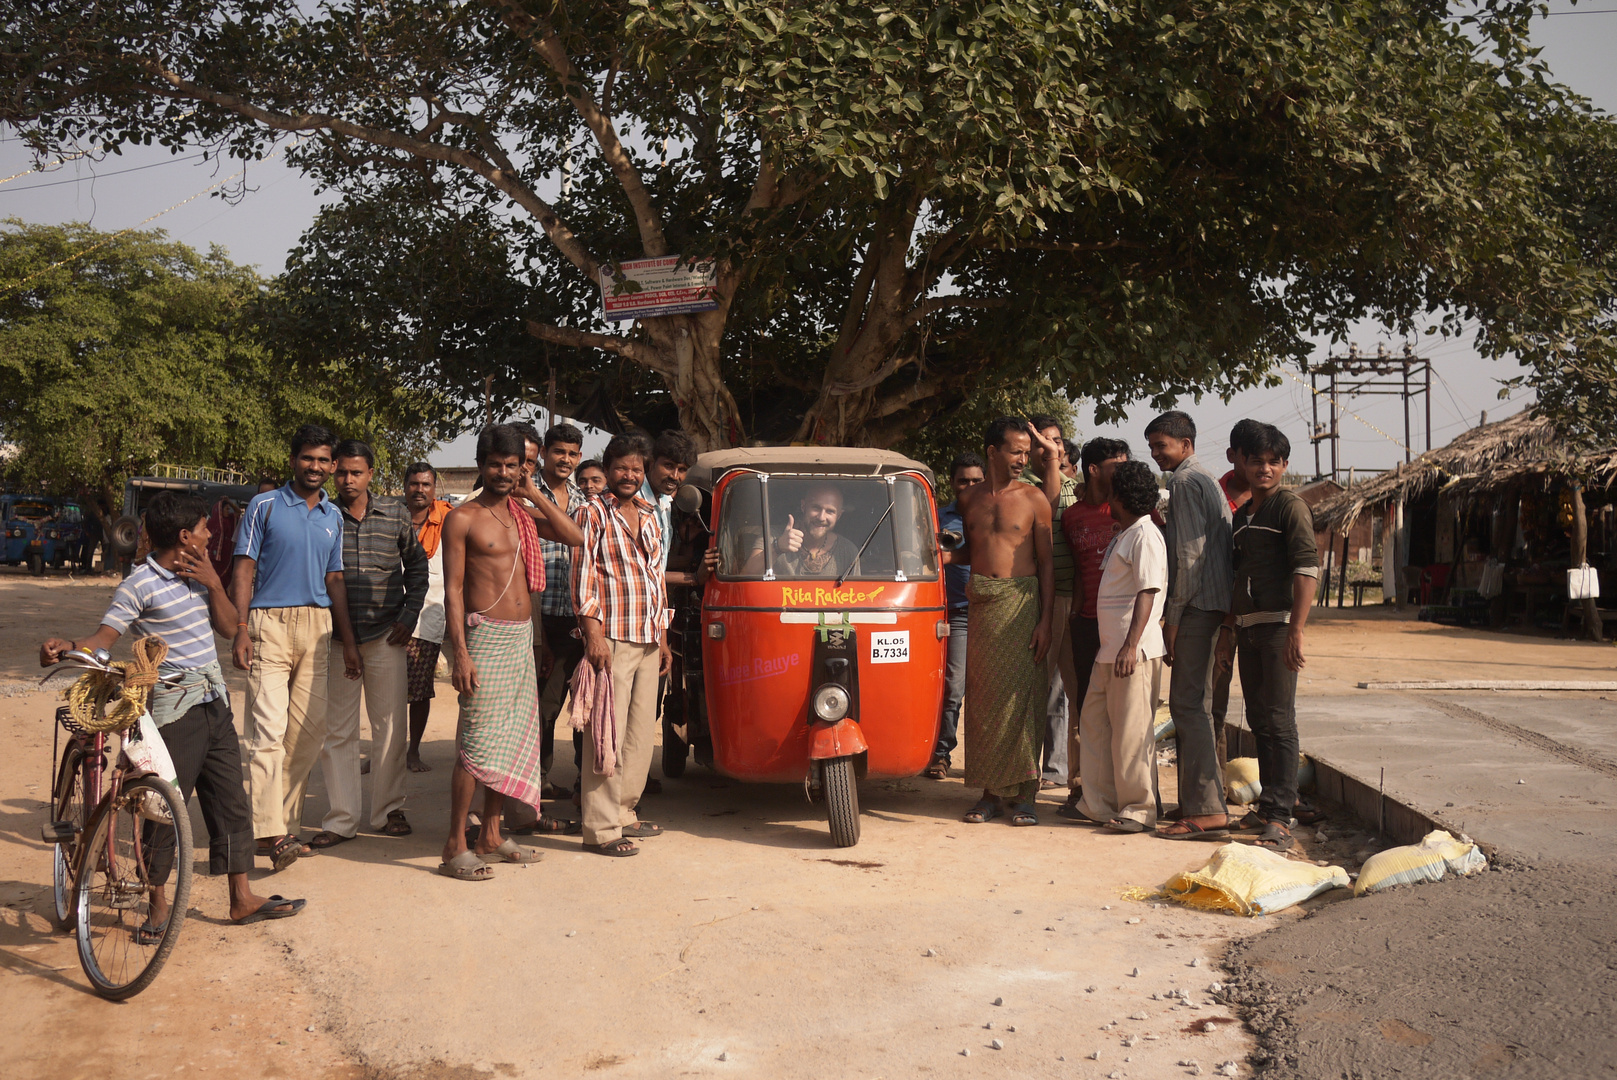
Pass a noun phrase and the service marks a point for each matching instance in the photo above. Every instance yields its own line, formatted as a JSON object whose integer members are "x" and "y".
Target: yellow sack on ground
{"x": 1437, "y": 853}
{"x": 1241, "y": 780}
{"x": 1251, "y": 881}
{"x": 1241, "y": 783}
{"x": 1162, "y": 723}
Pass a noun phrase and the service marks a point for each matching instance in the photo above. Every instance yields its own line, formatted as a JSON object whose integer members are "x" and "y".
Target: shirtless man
{"x": 487, "y": 543}
{"x": 1011, "y": 595}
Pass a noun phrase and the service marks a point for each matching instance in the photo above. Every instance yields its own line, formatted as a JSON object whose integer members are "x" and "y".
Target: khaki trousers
{"x": 1117, "y": 752}
{"x": 609, "y": 801}
{"x": 286, "y": 711}
{"x": 384, "y": 688}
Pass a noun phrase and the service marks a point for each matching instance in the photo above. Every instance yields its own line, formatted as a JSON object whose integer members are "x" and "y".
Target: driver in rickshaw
{"x": 810, "y": 546}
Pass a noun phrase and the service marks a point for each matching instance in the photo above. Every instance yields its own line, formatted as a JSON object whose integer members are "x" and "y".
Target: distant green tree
{"x": 122, "y": 350}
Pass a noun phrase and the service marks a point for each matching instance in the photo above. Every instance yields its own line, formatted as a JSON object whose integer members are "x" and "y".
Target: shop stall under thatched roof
{"x": 1521, "y": 450}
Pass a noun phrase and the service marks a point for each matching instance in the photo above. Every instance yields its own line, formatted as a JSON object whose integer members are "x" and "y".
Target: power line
{"x": 98, "y": 176}
{"x": 9, "y": 289}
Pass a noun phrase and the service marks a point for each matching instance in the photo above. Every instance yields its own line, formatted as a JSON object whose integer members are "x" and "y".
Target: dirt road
{"x": 741, "y": 943}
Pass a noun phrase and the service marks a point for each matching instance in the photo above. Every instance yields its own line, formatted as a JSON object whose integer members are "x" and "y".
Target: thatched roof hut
{"x": 1523, "y": 449}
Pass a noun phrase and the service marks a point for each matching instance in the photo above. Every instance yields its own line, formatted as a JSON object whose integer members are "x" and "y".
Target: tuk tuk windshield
{"x": 816, "y": 525}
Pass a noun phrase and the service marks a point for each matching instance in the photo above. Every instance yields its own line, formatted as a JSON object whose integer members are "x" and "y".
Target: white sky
{"x": 261, "y": 228}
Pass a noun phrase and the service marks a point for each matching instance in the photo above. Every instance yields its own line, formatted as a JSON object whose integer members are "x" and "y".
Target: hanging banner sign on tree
{"x": 651, "y": 287}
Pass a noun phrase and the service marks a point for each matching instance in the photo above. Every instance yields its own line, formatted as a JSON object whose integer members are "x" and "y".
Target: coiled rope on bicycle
{"x": 101, "y": 702}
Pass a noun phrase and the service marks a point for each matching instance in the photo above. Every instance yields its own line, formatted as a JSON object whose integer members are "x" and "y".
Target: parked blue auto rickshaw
{"x": 31, "y": 533}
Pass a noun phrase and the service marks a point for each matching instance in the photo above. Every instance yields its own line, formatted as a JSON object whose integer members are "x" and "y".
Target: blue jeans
{"x": 954, "y": 685}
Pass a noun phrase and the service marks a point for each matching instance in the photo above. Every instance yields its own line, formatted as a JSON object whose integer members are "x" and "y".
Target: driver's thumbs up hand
{"x": 792, "y": 538}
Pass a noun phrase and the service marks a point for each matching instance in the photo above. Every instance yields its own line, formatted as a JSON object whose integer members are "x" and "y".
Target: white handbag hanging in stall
{"x": 1583, "y": 583}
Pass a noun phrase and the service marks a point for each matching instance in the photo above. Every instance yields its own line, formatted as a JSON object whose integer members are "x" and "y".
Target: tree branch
{"x": 547, "y": 44}
{"x": 170, "y": 85}
{"x": 940, "y": 303}
{"x": 628, "y": 348}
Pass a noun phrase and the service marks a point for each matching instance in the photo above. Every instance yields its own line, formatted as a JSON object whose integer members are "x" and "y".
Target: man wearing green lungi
{"x": 1011, "y": 593}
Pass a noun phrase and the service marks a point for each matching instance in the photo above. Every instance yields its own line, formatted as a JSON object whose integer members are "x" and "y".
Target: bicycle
{"x": 118, "y": 832}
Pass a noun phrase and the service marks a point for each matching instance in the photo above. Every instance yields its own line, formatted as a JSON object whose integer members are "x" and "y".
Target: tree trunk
{"x": 1593, "y": 628}
{"x": 689, "y": 347}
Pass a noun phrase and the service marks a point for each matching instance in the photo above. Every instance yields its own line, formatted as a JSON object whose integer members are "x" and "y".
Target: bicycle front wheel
{"x": 67, "y": 806}
{"x": 139, "y": 847}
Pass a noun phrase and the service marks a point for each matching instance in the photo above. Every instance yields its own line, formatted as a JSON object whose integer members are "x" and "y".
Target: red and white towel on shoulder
{"x": 593, "y": 712}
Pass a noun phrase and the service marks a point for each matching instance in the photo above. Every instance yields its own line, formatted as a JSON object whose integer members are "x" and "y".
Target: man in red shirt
{"x": 1236, "y": 490}
{"x": 1088, "y": 526}
{"x": 1238, "y": 493}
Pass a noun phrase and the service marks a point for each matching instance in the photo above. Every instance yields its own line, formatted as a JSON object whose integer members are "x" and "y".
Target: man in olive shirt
{"x": 1276, "y": 574}
{"x": 1046, "y": 469}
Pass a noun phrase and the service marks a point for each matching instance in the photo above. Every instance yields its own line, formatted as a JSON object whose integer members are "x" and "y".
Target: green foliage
{"x": 1140, "y": 201}
{"x": 960, "y": 426}
{"x": 120, "y": 351}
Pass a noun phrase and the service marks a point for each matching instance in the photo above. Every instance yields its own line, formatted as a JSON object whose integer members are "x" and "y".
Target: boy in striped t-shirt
{"x": 176, "y": 594}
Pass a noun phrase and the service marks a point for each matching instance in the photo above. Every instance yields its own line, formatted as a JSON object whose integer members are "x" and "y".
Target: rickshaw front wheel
{"x": 841, "y": 790}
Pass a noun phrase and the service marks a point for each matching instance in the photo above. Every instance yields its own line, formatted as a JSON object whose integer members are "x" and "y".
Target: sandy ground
{"x": 742, "y": 943}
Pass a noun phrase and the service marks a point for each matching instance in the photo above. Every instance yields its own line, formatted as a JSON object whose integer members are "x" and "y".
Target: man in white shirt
{"x": 1117, "y": 755}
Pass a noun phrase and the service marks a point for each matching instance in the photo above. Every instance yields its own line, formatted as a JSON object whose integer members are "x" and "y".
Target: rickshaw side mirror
{"x": 688, "y": 498}
{"x": 950, "y": 540}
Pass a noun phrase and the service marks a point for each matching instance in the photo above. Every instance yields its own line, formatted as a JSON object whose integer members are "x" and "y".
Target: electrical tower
{"x": 1383, "y": 375}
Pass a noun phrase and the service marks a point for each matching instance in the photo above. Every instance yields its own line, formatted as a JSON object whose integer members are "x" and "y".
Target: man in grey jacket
{"x": 1200, "y": 572}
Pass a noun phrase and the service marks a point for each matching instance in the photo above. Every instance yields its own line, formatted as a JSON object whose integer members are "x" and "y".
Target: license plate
{"x": 892, "y": 647}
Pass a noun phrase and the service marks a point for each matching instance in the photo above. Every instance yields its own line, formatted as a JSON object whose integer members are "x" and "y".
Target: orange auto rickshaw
{"x": 815, "y": 652}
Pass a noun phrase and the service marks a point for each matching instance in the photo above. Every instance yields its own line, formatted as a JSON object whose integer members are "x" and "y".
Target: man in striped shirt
{"x": 618, "y": 593}
{"x": 176, "y": 595}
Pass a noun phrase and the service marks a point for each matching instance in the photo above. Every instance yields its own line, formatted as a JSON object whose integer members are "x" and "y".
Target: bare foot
{"x": 414, "y": 763}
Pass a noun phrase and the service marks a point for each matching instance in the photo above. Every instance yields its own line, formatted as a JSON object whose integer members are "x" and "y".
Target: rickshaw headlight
{"x": 831, "y": 702}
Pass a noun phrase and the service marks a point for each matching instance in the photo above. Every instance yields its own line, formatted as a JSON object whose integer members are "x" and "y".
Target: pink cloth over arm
{"x": 593, "y": 710}
{"x": 533, "y": 559}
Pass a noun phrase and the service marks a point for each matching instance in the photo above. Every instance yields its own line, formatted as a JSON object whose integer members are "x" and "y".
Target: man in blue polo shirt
{"x": 289, "y": 585}
{"x": 965, "y": 471}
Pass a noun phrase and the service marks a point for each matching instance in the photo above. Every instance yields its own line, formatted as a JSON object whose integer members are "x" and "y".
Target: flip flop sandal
{"x": 544, "y": 824}
{"x": 466, "y": 867}
{"x": 986, "y": 810}
{"x": 320, "y": 841}
{"x": 1249, "y": 823}
{"x": 1276, "y": 837}
{"x": 1124, "y": 825}
{"x": 642, "y": 829}
{"x": 1023, "y": 816}
{"x": 1188, "y": 830}
{"x": 266, "y": 910}
{"x": 286, "y": 851}
{"x": 938, "y": 770}
{"x": 510, "y": 851}
{"x": 397, "y": 825}
{"x": 617, "y": 849}
{"x": 147, "y": 934}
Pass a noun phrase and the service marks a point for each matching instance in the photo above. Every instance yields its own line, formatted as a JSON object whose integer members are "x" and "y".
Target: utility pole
{"x": 1406, "y": 376}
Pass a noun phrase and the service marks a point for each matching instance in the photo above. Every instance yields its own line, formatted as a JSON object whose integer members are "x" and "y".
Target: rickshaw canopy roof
{"x": 827, "y": 460}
